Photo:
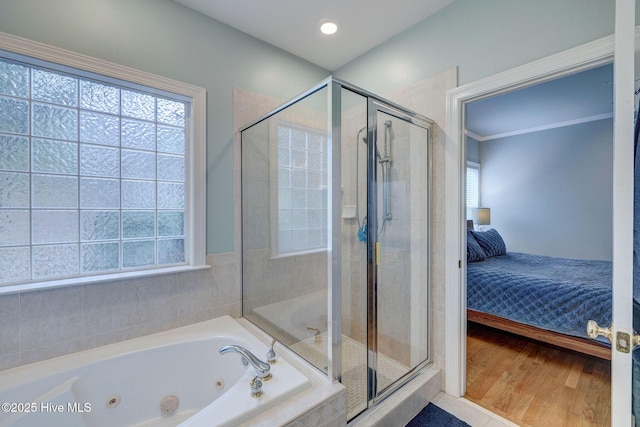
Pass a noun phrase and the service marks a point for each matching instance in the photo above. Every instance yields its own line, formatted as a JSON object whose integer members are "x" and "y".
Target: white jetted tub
{"x": 173, "y": 378}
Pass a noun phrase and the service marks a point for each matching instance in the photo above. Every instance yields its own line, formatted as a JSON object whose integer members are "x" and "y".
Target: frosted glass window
{"x": 138, "y": 194}
{"x": 54, "y": 226}
{"x": 138, "y": 224}
{"x": 14, "y": 79}
{"x": 171, "y": 112}
{"x": 171, "y": 140}
{"x": 170, "y": 223}
{"x": 54, "y": 156}
{"x": 99, "y": 97}
{"x": 301, "y": 189}
{"x": 54, "y": 191}
{"x": 55, "y": 88}
{"x": 14, "y": 190}
{"x": 92, "y": 173}
{"x": 98, "y": 193}
{"x": 14, "y": 153}
{"x": 139, "y": 105}
{"x": 54, "y": 261}
{"x": 14, "y": 227}
{"x": 99, "y": 225}
{"x": 139, "y": 253}
{"x": 170, "y": 168}
{"x": 138, "y": 164}
{"x": 99, "y": 128}
{"x": 55, "y": 122}
{"x": 14, "y": 115}
{"x": 138, "y": 134}
{"x": 100, "y": 256}
{"x": 99, "y": 161}
{"x": 171, "y": 251}
{"x": 15, "y": 264}
{"x": 170, "y": 196}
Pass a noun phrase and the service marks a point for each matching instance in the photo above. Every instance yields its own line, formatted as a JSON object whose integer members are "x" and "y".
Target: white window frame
{"x": 195, "y": 155}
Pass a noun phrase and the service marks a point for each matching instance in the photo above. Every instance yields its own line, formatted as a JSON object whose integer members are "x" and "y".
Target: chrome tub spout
{"x": 262, "y": 369}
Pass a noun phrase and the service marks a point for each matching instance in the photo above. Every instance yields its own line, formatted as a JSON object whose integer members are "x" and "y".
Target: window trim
{"x": 195, "y": 156}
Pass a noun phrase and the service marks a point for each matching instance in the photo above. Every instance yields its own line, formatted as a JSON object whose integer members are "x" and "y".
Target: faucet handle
{"x": 271, "y": 355}
{"x": 256, "y": 387}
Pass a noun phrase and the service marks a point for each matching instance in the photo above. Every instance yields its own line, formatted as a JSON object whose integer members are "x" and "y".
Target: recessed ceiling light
{"x": 328, "y": 27}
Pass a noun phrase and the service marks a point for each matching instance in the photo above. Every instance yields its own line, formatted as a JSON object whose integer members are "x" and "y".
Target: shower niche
{"x": 335, "y": 197}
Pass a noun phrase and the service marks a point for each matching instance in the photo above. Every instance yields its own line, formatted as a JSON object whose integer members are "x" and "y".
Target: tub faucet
{"x": 262, "y": 369}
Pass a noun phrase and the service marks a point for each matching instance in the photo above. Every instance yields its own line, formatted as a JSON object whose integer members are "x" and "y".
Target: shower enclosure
{"x": 335, "y": 236}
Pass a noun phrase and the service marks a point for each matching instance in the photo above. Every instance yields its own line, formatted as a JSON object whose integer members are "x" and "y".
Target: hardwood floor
{"x": 534, "y": 384}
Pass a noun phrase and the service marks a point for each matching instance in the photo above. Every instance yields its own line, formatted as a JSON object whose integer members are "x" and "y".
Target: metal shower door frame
{"x": 374, "y": 106}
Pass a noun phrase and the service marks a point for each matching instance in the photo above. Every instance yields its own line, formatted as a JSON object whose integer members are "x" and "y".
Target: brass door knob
{"x": 593, "y": 330}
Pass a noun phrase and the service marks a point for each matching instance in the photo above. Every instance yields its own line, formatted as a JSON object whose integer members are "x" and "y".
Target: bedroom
{"x": 545, "y": 171}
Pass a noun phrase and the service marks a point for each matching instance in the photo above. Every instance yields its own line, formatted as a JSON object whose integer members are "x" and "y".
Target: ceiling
{"x": 578, "y": 98}
{"x": 293, "y": 25}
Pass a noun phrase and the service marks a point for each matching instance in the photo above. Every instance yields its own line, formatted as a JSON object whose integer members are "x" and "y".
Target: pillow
{"x": 490, "y": 241}
{"x": 475, "y": 252}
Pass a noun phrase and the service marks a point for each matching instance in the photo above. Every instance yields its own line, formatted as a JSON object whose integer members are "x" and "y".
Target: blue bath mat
{"x": 433, "y": 416}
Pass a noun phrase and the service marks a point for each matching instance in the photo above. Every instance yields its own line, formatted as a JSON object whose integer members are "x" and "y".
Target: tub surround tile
{"x": 107, "y": 308}
{"x": 331, "y": 413}
{"x": 38, "y": 325}
{"x": 226, "y": 280}
{"x": 233, "y": 310}
{"x": 152, "y": 327}
{"x": 107, "y": 338}
{"x": 193, "y": 301}
{"x": 50, "y": 317}
{"x": 10, "y": 325}
{"x": 8, "y": 361}
{"x": 155, "y": 302}
{"x": 43, "y": 353}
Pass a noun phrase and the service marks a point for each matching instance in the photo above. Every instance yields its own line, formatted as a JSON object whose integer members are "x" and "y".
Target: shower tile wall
{"x": 39, "y": 325}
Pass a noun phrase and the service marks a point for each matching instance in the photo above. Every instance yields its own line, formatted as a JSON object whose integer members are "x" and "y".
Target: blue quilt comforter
{"x": 557, "y": 294}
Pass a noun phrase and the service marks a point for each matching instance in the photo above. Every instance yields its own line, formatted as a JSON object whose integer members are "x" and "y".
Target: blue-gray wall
{"x": 550, "y": 191}
{"x": 170, "y": 40}
{"x": 473, "y": 150}
{"x": 482, "y": 38}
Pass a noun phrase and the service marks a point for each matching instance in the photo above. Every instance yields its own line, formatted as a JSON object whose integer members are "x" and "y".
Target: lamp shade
{"x": 481, "y": 216}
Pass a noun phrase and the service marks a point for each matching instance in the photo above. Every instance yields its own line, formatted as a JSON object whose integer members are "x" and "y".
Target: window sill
{"x": 75, "y": 281}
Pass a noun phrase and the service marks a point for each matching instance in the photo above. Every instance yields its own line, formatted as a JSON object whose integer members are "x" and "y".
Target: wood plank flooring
{"x": 535, "y": 384}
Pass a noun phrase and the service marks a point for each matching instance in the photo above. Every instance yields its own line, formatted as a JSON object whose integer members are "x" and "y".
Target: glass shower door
{"x": 398, "y": 232}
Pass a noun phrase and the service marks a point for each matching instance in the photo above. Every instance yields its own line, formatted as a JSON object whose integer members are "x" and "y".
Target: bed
{"x": 544, "y": 298}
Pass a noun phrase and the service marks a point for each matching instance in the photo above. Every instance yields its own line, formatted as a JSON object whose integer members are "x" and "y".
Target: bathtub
{"x": 173, "y": 378}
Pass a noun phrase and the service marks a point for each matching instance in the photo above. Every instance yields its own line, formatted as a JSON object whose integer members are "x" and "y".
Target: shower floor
{"x": 354, "y": 368}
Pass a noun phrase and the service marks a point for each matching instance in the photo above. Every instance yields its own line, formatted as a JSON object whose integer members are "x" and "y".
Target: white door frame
{"x": 589, "y": 55}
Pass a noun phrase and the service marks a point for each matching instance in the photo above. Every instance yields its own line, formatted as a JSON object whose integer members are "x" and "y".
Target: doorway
{"x": 584, "y": 57}
{"x": 545, "y": 156}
